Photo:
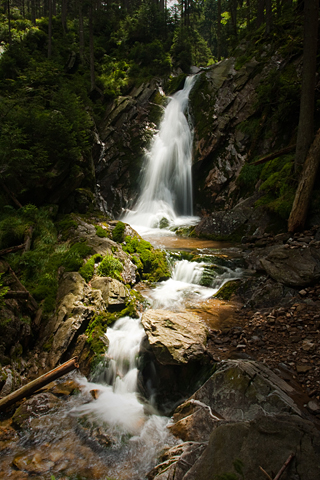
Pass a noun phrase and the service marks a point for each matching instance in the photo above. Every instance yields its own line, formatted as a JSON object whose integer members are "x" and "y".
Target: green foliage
{"x": 151, "y": 264}
{"x": 248, "y": 177}
{"x": 3, "y": 291}
{"x": 110, "y": 267}
{"x": 87, "y": 270}
{"x": 38, "y": 268}
{"x": 118, "y": 232}
{"x": 101, "y": 232}
{"x": 227, "y": 290}
{"x": 278, "y": 186}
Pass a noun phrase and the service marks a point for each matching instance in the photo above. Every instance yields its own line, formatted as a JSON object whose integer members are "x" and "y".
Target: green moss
{"x": 227, "y": 290}
{"x": 87, "y": 270}
{"x": 152, "y": 264}
{"x": 110, "y": 267}
{"x": 48, "y": 345}
{"x": 95, "y": 332}
{"x": 66, "y": 225}
{"x": 118, "y": 232}
{"x": 174, "y": 84}
{"x": 278, "y": 186}
{"x": 101, "y": 232}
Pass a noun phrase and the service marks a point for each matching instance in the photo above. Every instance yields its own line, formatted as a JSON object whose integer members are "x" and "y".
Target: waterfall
{"x": 167, "y": 181}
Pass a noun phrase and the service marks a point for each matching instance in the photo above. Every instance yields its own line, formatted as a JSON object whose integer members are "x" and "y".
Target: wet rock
{"x": 118, "y": 295}
{"x": 177, "y": 461}
{"x": 36, "y": 406}
{"x": 33, "y": 463}
{"x": 295, "y": 268}
{"x": 277, "y": 437}
{"x": 193, "y": 421}
{"x": 175, "y": 338}
{"x": 8, "y": 438}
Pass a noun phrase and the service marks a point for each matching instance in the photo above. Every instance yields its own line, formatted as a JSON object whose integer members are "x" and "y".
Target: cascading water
{"x": 118, "y": 407}
{"x": 167, "y": 182}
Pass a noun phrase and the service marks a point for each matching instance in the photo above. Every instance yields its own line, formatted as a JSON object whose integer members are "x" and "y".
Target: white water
{"x": 118, "y": 408}
{"x": 167, "y": 181}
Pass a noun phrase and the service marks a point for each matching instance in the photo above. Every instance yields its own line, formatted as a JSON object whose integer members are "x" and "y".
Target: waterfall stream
{"x": 166, "y": 190}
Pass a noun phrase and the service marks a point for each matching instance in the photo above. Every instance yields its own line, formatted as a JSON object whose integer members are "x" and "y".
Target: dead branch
{"x": 284, "y": 466}
{"x": 266, "y": 474}
{"x": 5, "y": 251}
{"x": 38, "y": 383}
{"x": 23, "y": 288}
{"x": 273, "y": 155}
{"x": 11, "y": 195}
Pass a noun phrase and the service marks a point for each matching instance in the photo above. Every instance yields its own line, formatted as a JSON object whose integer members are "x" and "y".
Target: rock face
{"x": 175, "y": 338}
{"x": 173, "y": 356}
{"x": 241, "y": 406}
{"x": 275, "y": 437}
{"x": 129, "y": 123}
{"x": 295, "y": 268}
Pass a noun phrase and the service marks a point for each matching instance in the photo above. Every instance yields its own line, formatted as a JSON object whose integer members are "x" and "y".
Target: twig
{"x": 273, "y": 155}
{"x": 266, "y": 474}
{"x": 284, "y": 466}
{"x": 5, "y": 251}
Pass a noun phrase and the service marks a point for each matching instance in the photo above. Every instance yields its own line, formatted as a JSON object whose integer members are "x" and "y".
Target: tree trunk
{"x": 219, "y": 31}
{"x": 302, "y": 198}
{"x": 306, "y": 117}
{"x": 260, "y": 12}
{"x": 92, "y": 74}
{"x": 33, "y": 11}
{"x": 268, "y": 16}
{"x": 81, "y": 31}
{"x": 64, "y": 16}
{"x": 50, "y": 30}
{"x": 248, "y": 13}
{"x": 9, "y": 22}
{"x": 38, "y": 383}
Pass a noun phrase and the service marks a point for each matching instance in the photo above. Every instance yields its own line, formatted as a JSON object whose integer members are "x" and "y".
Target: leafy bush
{"x": 118, "y": 232}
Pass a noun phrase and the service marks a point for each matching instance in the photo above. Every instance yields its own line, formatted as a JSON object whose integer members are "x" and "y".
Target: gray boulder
{"x": 293, "y": 267}
{"x": 264, "y": 442}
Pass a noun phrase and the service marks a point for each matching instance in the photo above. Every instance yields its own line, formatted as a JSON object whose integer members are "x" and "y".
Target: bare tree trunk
{"x": 260, "y": 12}
{"x": 9, "y": 22}
{"x": 50, "y": 30}
{"x": 302, "y": 198}
{"x": 306, "y": 117}
{"x": 268, "y": 16}
{"x": 64, "y": 16}
{"x": 81, "y": 31}
{"x": 92, "y": 74}
{"x": 33, "y": 11}
{"x": 219, "y": 31}
{"x": 248, "y": 13}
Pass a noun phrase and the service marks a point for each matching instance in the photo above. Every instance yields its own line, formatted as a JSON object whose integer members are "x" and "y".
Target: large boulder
{"x": 173, "y": 361}
{"x": 175, "y": 338}
{"x": 293, "y": 267}
{"x": 243, "y": 389}
{"x": 265, "y": 442}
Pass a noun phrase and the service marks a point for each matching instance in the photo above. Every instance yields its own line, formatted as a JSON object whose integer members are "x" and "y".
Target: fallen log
{"x": 273, "y": 155}
{"x": 5, "y": 251}
{"x": 32, "y": 301}
{"x": 17, "y": 294}
{"x": 38, "y": 383}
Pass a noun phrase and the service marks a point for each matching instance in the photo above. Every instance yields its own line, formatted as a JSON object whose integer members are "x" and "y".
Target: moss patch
{"x": 228, "y": 289}
{"x": 151, "y": 263}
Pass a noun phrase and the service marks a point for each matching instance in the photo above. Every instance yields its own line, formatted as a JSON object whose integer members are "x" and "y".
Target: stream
{"x": 109, "y": 430}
